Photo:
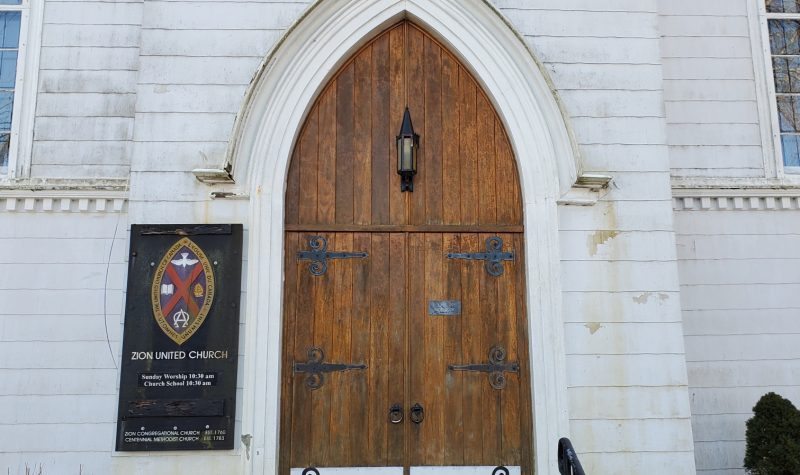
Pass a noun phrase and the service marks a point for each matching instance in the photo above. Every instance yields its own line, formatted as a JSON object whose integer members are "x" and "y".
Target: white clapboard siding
{"x": 90, "y": 35}
{"x": 88, "y": 58}
{"x": 721, "y": 69}
{"x": 619, "y": 276}
{"x": 736, "y": 400}
{"x": 88, "y": 355}
{"x": 177, "y": 156}
{"x": 721, "y": 457}
{"x": 221, "y": 15}
{"x": 672, "y": 462}
{"x": 89, "y": 437}
{"x": 43, "y": 276}
{"x": 84, "y": 128}
{"x": 581, "y": 5}
{"x": 51, "y": 251}
{"x": 89, "y": 12}
{"x": 628, "y": 403}
{"x": 651, "y": 435}
{"x": 621, "y": 157}
{"x": 180, "y": 126}
{"x": 191, "y": 211}
{"x": 85, "y": 105}
{"x": 61, "y": 327}
{"x": 64, "y": 381}
{"x": 624, "y": 338}
{"x": 626, "y": 370}
{"x": 718, "y": 24}
{"x": 222, "y": 98}
{"x": 752, "y": 243}
{"x": 105, "y": 82}
{"x": 83, "y": 409}
{"x": 197, "y": 70}
{"x": 710, "y": 89}
{"x": 738, "y": 322}
{"x": 229, "y": 43}
{"x": 712, "y": 112}
{"x": 88, "y": 68}
{"x": 620, "y": 216}
{"x": 629, "y": 77}
{"x": 620, "y": 130}
{"x": 566, "y": 49}
{"x": 605, "y": 245}
{"x": 612, "y": 103}
{"x": 169, "y": 186}
{"x": 740, "y": 296}
{"x": 595, "y": 308}
{"x": 766, "y": 374}
{"x": 601, "y": 24}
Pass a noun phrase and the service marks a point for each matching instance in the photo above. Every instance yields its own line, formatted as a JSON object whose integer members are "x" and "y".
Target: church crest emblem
{"x": 183, "y": 290}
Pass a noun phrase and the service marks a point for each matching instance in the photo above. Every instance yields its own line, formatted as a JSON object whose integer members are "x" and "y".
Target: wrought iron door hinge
{"x": 496, "y": 367}
{"x": 319, "y": 255}
{"x": 494, "y": 256}
{"x": 316, "y": 369}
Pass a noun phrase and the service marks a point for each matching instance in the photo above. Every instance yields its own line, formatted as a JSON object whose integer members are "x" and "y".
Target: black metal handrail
{"x": 568, "y": 463}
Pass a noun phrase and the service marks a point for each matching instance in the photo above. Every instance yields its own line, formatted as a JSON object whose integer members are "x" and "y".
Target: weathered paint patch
{"x": 593, "y": 327}
{"x": 599, "y": 238}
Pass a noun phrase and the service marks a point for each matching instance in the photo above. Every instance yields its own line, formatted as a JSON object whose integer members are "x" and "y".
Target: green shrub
{"x": 773, "y": 437}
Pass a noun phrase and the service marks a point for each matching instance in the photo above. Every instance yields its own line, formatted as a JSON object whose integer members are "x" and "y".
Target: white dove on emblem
{"x": 184, "y": 261}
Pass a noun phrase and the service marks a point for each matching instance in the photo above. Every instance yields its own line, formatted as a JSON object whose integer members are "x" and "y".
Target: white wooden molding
{"x": 64, "y": 196}
{"x": 736, "y": 199}
{"x": 267, "y": 127}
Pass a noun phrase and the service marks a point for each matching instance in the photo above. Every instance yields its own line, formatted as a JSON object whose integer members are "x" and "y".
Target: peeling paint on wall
{"x": 599, "y": 238}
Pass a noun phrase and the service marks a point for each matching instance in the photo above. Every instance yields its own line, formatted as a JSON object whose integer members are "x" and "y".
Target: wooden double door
{"x": 405, "y": 324}
{"x": 380, "y": 316}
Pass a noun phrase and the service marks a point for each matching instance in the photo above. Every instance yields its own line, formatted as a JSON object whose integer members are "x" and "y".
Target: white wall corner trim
{"x": 281, "y": 95}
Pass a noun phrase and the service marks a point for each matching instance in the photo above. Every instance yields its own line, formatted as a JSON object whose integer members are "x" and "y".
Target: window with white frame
{"x": 783, "y": 23}
{"x": 15, "y": 16}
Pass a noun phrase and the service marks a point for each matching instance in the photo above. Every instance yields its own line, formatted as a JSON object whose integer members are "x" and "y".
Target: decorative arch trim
{"x": 282, "y": 93}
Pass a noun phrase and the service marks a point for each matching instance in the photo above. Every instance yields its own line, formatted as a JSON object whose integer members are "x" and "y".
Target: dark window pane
{"x": 774, "y": 6}
{"x": 9, "y": 29}
{"x": 786, "y": 114}
{"x": 8, "y": 69}
{"x": 780, "y": 68}
{"x": 783, "y": 36}
{"x": 6, "y": 107}
{"x": 777, "y": 40}
{"x": 783, "y": 6}
{"x": 791, "y": 152}
{"x": 4, "y": 141}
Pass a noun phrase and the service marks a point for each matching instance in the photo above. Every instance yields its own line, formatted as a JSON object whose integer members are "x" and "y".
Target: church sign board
{"x": 180, "y": 342}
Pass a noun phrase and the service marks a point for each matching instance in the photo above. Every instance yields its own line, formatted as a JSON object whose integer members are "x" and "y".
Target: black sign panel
{"x": 181, "y": 341}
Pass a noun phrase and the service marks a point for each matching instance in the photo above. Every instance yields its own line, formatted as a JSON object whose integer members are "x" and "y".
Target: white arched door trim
{"x": 275, "y": 107}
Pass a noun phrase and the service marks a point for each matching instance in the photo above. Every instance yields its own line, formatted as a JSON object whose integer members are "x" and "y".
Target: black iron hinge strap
{"x": 494, "y": 256}
{"x": 319, "y": 255}
{"x": 496, "y": 367}
{"x": 316, "y": 368}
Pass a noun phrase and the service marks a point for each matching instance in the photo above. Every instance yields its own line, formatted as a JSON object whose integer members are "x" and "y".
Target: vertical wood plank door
{"x": 359, "y": 333}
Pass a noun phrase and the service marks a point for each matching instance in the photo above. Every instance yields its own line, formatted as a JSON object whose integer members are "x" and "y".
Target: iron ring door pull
{"x": 310, "y": 471}
{"x": 417, "y": 413}
{"x": 501, "y": 470}
{"x": 396, "y": 414}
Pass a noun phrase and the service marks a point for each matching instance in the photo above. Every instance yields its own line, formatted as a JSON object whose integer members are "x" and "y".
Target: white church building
{"x": 603, "y": 196}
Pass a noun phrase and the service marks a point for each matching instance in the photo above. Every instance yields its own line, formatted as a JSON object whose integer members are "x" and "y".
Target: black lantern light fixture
{"x": 407, "y": 147}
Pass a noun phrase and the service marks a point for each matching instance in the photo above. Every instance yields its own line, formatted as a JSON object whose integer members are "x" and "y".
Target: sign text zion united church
{"x": 180, "y": 346}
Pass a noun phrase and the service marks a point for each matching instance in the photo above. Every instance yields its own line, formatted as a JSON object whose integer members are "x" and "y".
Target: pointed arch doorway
{"x": 373, "y": 375}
